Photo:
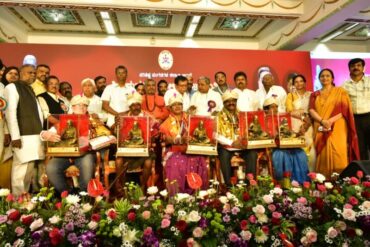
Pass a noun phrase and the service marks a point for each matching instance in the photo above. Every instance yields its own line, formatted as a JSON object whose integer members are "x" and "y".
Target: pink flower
{"x": 198, "y": 232}
{"x": 169, "y": 209}
{"x": 190, "y": 242}
{"x": 348, "y": 206}
{"x": 36, "y": 224}
{"x": 19, "y": 231}
{"x": 276, "y": 215}
{"x": 295, "y": 183}
{"x": 246, "y": 235}
{"x": 354, "y": 180}
{"x": 302, "y": 200}
{"x": 252, "y": 219}
{"x": 349, "y": 214}
{"x": 259, "y": 209}
{"x": 165, "y": 223}
{"x": 235, "y": 210}
{"x": 268, "y": 199}
{"x": 306, "y": 184}
{"x": 366, "y": 184}
{"x": 332, "y": 233}
{"x": 271, "y": 207}
{"x": 321, "y": 187}
{"x": 250, "y": 176}
{"x": 353, "y": 200}
{"x": 148, "y": 231}
{"x": 311, "y": 236}
{"x": 312, "y": 175}
{"x": 233, "y": 237}
{"x": 360, "y": 174}
{"x": 253, "y": 182}
{"x": 145, "y": 214}
{"x": 3, "y": 219}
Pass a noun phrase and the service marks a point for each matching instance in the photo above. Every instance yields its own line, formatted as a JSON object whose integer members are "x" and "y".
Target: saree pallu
{"x": 335, "y": 148}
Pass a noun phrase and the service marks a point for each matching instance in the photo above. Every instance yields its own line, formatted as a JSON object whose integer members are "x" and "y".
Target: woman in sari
{"x": 335, "y": 137}
{"x": 177, "y": 163}
{"x": 297, "y": 105}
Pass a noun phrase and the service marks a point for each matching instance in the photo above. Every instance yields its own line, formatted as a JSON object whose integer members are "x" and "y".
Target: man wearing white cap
{"x": 25, "y": 121}
{"x": 205, "y": 101}
{"x": 95, "y": 102}
{"x": 56, "y": 166}
{"x": 269, "y": 89}
{"x": 229, "y": 138}
{"x": 130, "y": 164}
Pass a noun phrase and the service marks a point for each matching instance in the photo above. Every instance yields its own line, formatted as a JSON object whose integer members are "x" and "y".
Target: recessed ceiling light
{"x": 104, "y": 15}
{"x": 109, "y": 27}
{"x": 332, "y": 36}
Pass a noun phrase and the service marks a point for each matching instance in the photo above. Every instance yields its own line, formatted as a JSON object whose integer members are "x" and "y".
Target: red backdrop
{"x": 75, "y": 62}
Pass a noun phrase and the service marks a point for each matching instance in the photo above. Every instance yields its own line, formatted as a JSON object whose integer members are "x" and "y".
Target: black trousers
{"x": 249, "y": 156}
{"x": 363, "y": 132}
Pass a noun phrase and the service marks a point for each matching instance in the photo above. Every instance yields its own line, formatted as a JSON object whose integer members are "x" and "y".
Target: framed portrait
{"x": 287, "y": 138}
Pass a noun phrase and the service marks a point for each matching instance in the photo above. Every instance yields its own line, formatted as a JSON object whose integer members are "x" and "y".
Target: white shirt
{"x": 96, "y": 106}
{"x": 117, "y": 98}
{"x": 248, "y": 100}
{"x": 185, "y": 98}
{"x": 359, "y": 94}
{"x": 32, "y": 148}
{"x": 200, "y": 101}
{"x": 237, "y": 91}
{"x": 277, "y": 92}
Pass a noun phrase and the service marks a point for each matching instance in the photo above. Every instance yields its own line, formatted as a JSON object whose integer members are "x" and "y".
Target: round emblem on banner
{"x": 3, "y": 104}
{"x": 165, "y": 60}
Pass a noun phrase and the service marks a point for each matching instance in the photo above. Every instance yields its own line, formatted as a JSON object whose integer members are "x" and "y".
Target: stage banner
{"x": 73, "y": 63}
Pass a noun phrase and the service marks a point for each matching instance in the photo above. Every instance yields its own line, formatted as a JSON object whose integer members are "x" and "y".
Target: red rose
{"x": 366, "y": 184}
{"x": 319, "y": 203}
{"x": 275, "y": 221}
{"x": 265, "y": 229}
{"x": 233, "y": 180}
{"x": 58, "y": 205}
{"x": 14, "y": 215}
{"x": 181, "y": 225}
{"x": 10, "y": 198}
{"x": 360, "y": 174}
{"x": 55, "y": 236}
{"x": 64, "y": 194}
{"x": 131, "y": 216}
{"x": 306, "y": 185}
{"x": 321, "y": 187}
{"x": 366, "y": 194}
{"x": 312, "y": 175}
{"x": 216, "y": 203}
{"x": 112, "y": 214}
{"x": 354, "y": 180}
{"x": 353, "y": 200}
{"x": 246, "y": 196}
{"x": 244, "y": 225}
{"x": 95, "y": 217}
{"x": 351, "y": 232}
{"x": 26, "y": 219}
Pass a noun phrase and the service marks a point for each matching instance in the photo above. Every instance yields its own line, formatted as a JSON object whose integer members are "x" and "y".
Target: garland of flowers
{"x": 255, "y": 212}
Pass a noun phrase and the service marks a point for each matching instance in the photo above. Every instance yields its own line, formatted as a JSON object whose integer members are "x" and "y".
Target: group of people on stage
{"x": 335, "y": 122}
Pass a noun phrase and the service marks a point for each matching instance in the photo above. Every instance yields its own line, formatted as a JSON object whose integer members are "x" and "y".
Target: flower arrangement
{"x": 255, "y": 212}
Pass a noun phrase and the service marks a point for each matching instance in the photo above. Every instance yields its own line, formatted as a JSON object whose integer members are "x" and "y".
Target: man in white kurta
{"x": 25, "y": 126}
{"x": 95, "y": 102}
{"x": 247, "y": 99}
{"x": 115, "y": 95}
{"x": 269, "y": 89}
{"x": 181, "y": 86}
{"x": 205, "y": 101}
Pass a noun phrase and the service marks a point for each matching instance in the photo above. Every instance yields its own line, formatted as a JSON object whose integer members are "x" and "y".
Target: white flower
{"x": 277, "y": 191}
{"x": 73, "y": 199}
{"x": 259, "y": 209}
{"x": 366, "y": 205}
{"x": 211, "y": 191}
{"x": 182, "y": 196}
{"x": 296, "y": 190}
{"x": 230, "y": 196}
{"x": 55, "y": 219}
{"x": 349, "y": 214}
{"x": 116, "y": 232}
{"x": 86, "y": 207}
{"x": 260, "y": 236}
{"x": 4, "y": 192}
{"x": 359, "y": 232}
{"x": 320, "y": 178}
{"x": 223, "y": 199}
{"x": 36, "y": 224}
{"x": 181, "y": 213}
{"x": 83, "y": 193}
{"x": 262, "y": 218}
{"x": 193, "y": 216}
{"x": 341, "y": 225}
{"x": 328, "y": 185}
{"x": 42, "y": 198}
{"x": 130, "y": 236}
{"x": 136, "y": 206}
{"x": 268, "y": 199}
{"x": 246, "y": 235}
{"x": 202, "y": 194}
{"x": 164, "y": 193}
{"x": 34, "y": 199}
{"x": 152, "y": 190}
{"x": 98, "y": 198}
{"x": 92, "y": 225}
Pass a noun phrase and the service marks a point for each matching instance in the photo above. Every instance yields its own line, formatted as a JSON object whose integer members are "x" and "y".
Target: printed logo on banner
{"x": 165, "y": 60}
